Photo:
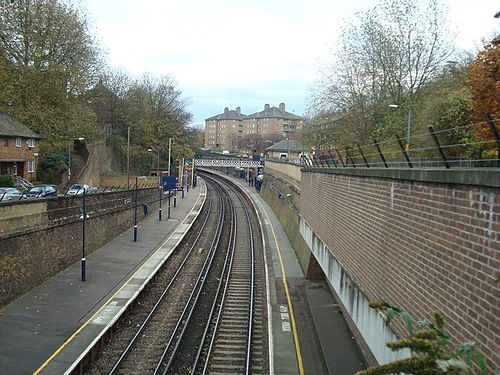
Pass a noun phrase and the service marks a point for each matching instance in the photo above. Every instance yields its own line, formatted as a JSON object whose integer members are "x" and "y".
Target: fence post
{"x": 380, "y": 153}
{"x": 340, "y": 157}
{"x": 436, "y": 141}
{"x": 314, "y": 161}
{"x": 363, "y": 156}
{"x": 348, "y": 157}
{"x": 321, "y": 160}
{"x": 332, "y": 158}
{"x": 405, "y": 153}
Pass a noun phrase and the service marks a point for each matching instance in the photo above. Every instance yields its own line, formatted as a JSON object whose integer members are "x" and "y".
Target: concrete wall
{"x": 288, "y": 171}
{"x": 99, "y": 162}
{"x": 421, "y": 240}
{"x": 39, "y": 238}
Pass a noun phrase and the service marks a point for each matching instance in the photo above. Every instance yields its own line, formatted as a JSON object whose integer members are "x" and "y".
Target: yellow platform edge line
{"x": 110, "y": 299}
{"x": 298, "y": 352}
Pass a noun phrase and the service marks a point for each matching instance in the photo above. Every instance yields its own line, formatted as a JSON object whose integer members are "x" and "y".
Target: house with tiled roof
{"x": 18, "y": 148}
{"x": 286, "y": 149}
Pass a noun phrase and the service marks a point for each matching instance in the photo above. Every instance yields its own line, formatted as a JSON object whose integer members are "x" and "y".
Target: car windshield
{"x": 77, "y": 187}
{"x": 37, "y": 189}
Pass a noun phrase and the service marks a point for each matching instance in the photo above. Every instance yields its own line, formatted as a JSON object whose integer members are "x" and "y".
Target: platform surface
{"x": 325, "y": 342}
{"x": 45, "y": 330}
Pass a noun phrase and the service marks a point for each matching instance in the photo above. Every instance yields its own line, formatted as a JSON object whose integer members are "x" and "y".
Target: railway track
{"x": 204, "y": 314}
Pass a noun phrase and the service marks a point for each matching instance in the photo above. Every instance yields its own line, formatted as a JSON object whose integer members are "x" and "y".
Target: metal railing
{"x": 474, "y": 146}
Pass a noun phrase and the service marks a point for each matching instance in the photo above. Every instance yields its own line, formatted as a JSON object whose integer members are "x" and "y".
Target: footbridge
{"x": 232, "y": 163}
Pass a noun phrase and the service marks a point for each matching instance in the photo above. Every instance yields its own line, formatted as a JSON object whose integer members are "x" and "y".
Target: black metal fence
{"x": 468, "y": 146}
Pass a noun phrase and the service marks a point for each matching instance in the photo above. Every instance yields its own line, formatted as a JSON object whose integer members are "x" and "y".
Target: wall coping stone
{"x": 486, "y": 177}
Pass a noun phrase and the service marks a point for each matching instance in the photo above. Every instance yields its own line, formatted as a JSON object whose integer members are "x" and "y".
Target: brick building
{"x": 223, "y": 131}
{"x": 18, "y": 148}
{"x": 271, "y": 121}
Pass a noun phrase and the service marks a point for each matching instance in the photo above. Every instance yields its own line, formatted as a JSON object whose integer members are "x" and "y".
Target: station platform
{"x": 309, "y": 333}
{"x": 49, "y": 329}
{"x": 46, "y": 330}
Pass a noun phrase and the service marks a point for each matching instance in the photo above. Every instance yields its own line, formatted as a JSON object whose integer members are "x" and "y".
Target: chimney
{"x": 282, "y": 107}
{"x": 266, "y": 107}
{"x": 226, "y": 109}
{"x": 238, "y": 110}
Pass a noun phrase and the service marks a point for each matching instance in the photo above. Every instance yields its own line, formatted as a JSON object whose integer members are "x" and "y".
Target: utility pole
{"x": 128, "y": 157}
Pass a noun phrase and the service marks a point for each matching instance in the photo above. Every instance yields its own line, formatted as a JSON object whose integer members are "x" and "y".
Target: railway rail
{"x": 204, "y": 312}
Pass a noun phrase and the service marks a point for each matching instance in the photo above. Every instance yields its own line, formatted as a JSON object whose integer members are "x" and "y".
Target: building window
{"x": 31, "y": 142}
{"x": 18, "y": 142}
{"x": 14, "y": 169}
{"x": 31, "y": 166}
{"x": 6, "y": 141}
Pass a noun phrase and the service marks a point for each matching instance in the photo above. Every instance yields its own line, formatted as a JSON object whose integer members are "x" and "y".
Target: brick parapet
{"x": 423, "y": 244}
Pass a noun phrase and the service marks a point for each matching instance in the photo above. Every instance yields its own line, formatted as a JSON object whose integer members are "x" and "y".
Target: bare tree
{"x": 385, "y": 56}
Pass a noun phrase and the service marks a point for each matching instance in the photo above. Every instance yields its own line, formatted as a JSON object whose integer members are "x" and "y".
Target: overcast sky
{"x": 229, "y": 53}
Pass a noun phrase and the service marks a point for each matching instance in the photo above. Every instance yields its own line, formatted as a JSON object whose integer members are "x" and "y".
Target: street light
{"x": 159, "y": 178}
{"x": 69, "y": 156}
{"x": 407, "y": 147}
{"x": 84, "y": 217}
{"x": 135, "y": 206}
{"x": 169, "y": 153}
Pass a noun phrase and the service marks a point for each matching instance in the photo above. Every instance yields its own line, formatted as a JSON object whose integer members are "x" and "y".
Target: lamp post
{"x": 408, "y": 134}
{"x": 159, "y": 178}
{"x": 135, "y": 206}
{"x": 69, "y": 156}
{"x": 169, "y": 153}
{"x": 128, "y": 157}
{"x": 84, "y": 217}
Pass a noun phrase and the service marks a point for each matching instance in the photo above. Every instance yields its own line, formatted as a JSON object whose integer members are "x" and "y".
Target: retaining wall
{"x": 39, "y": 238}
{"x": 420, "y": 240}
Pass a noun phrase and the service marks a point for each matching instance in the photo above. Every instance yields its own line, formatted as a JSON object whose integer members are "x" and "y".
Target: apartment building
{"x": 223, "y": 131}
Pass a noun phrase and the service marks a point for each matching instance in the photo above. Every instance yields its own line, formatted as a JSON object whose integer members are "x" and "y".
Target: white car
{"x": 9, "y": 194}
{"x": 78, "y": 189}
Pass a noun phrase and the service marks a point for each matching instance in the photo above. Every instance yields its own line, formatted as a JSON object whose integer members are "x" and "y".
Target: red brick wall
{"x": 421, "y": 246}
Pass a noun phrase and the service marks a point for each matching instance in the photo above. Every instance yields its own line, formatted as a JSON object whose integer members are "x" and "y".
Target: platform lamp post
{"x": 159, "y": 178}
{"x": 69, "y": 156}
{"x": 169, "y": 153}
{"x": 407, "y": 147}
{"x": 135, "y": 206}
{"x": 84, "y": 217}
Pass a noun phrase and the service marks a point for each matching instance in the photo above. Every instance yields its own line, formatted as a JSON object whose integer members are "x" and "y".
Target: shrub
{"x": 51, "y": 167}
{"x": 6, "y": 181}
{"x": 433, "y": 351}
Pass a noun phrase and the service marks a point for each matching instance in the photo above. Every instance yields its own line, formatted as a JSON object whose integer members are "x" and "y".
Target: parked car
{"x": 9, "y": 194}
{"x": 78, "y": 189}
{"x": 41, "y": 191}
